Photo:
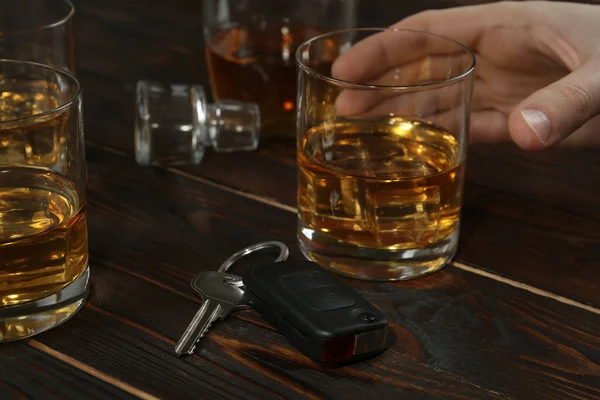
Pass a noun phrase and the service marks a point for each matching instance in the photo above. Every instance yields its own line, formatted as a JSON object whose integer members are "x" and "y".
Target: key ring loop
{"x": 283, "y": 253}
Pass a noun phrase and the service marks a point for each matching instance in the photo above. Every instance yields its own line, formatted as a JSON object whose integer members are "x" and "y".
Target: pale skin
{"x": 537, "y": 71}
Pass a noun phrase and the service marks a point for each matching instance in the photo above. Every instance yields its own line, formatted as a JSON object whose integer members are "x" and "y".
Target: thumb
{"x": 552, "y": 113}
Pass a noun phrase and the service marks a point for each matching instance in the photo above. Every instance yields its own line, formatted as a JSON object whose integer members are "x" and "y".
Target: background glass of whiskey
{"x": 38, "y": 30}
{"x": 250, "y": 47}
{"x": 43, "y": 231}
{"x": 381, "y": 150}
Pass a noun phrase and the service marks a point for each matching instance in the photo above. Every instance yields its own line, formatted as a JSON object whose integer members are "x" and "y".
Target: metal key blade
{"x": 205, "y": 316}
{"x": 222, "y": 294}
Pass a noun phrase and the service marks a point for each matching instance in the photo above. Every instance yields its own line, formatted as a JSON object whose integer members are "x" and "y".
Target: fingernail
{"x": 539, "y": 123}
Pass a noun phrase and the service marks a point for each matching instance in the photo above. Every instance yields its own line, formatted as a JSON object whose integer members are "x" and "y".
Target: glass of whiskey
{"x": 250, "y": 47}
{"x": 38, "y": 30}
{"x": 43, "y": 232}
{"x": 381, "y": 146}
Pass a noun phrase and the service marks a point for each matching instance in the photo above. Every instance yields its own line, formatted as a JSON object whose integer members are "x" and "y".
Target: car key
{"x": 222, "y": 294}
{"x": 319, "y": 314}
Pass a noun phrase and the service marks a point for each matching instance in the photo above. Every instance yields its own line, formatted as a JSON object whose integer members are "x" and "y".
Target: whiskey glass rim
{"x": 70, "y": 7}
{"x": 77, "y": 90}
{"x": 355, "y": 85}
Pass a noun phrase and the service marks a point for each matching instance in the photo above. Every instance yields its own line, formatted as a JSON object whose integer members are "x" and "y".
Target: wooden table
{"x": 516, "y": 315}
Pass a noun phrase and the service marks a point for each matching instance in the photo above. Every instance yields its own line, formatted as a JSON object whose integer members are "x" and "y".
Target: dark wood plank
{"x": 562, "y": 178}
{"x": 28, "y": 373}
{"x": 241, "y": 360}
{"x": 547, "y": 248}
{"x": 544, "y": 198}
{"x": 456, "y": 335}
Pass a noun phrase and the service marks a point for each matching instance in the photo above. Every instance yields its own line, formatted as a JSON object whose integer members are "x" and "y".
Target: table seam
{"x": 91, "y": 371}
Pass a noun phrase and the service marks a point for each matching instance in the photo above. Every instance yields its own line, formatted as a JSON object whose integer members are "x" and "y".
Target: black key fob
{"x": 319, "y": 314}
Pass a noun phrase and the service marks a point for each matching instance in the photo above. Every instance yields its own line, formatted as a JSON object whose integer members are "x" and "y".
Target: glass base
{"x": 376, "y": 264}
{"x": 25, "y": 320}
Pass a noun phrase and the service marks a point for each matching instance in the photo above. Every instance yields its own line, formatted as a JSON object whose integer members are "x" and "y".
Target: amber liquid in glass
{"x": 43, "y": 233}
{"x": 379, "y": 190}
{"x": 257, "y": 64}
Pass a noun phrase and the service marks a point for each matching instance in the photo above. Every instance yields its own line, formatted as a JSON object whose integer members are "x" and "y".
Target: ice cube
{"x": 402, "y": 217}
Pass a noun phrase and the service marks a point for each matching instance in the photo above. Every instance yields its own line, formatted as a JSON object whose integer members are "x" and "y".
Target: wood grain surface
{"x": 516, "y": 316}
{"x": 26, "y": 372}
{"x": 456, "y": 334}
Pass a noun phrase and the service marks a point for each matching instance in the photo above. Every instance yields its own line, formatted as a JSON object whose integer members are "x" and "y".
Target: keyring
{"x": 283, "y": 253}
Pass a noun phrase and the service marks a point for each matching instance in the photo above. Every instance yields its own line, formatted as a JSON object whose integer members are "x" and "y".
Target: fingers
{"x": 353, "y": 103}
{"x": 464, "y": 24}
{"x": 368, "y": 59}
{"x": 586, "y": 136}
{"x": 375, "y": 54}
{"x": 421, "y": 71}
{"x": 552, "y": 113}
{"x": 489, "y": 126}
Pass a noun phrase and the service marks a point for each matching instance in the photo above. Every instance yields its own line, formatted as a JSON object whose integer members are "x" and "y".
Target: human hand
{"x": 537, "y": 75}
